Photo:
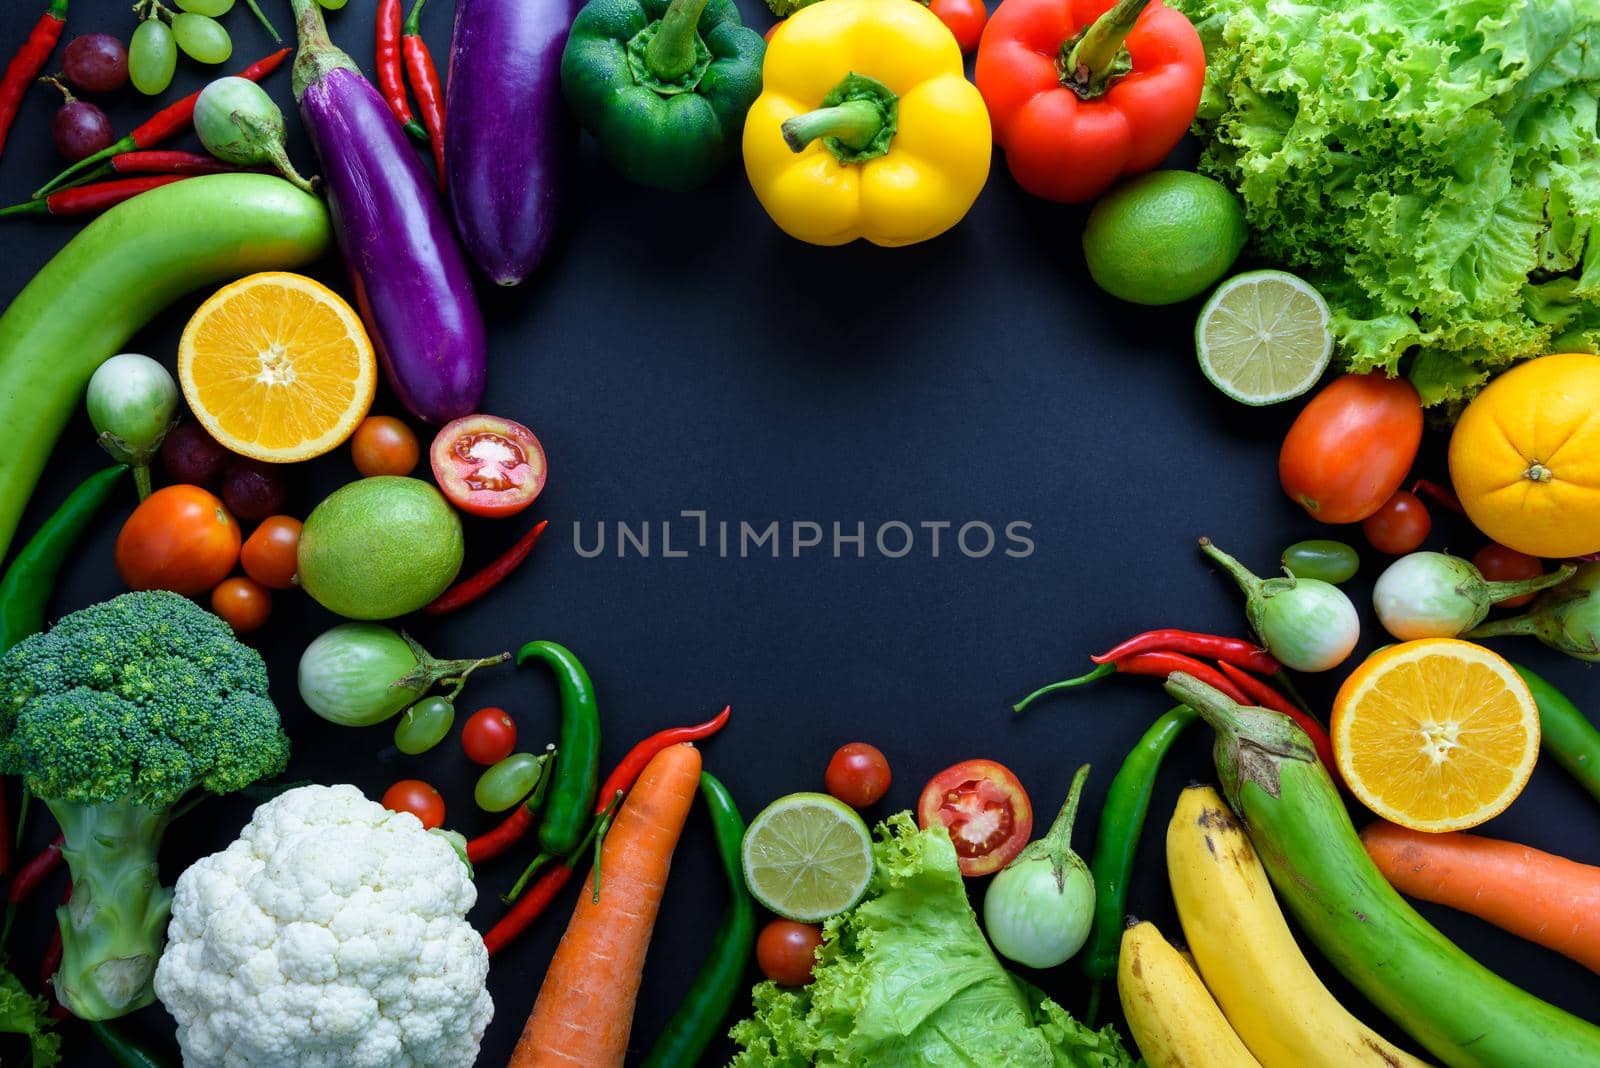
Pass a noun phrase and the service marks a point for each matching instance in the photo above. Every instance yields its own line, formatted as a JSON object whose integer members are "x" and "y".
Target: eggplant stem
{"x": 1504, "y": 591}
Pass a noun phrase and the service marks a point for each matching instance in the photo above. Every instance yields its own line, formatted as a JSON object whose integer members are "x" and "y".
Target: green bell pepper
{"x": 663, "y": 87}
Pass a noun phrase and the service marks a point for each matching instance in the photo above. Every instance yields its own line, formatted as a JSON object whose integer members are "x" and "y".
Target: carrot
{"x": 584, "y": 1012}
{"x": 1538, "y": 896}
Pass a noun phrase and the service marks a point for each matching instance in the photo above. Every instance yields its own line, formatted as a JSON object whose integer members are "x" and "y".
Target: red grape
{"x": 96, "y": 63}
{"x": 192, "y": 456}
{"x": 80, "y": 129}
{"x": 253, "y": 490}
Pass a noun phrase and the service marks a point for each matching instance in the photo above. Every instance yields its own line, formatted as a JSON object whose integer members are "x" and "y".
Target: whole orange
{"x": 1525, "y": 457}
{"x": 181, "y": 539}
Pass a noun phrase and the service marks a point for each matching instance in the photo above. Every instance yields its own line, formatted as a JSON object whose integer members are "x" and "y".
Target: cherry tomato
{"x": 487, "y": 465}
{"x": 1500, "y": 564}
{"x": 489, "y": 736}
{"x": 965, "y": 19}
{"x": 786, "y": 951}
{"x": 244, "y": 604}
{"x": 383, "y": 445}
{"x": 858, "y": 774}
{"x": 180, "y": 538}
{"x": 1350, "y": 448}
{"x": 985, "y": 809}
{"x": 418, "y": 798}
{"x": 269, "y": 552}
{"x": 1400, "y": 526}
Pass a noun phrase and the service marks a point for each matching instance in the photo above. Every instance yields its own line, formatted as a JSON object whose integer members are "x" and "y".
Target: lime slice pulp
{"x": 1263, "y": 337}
{"x": 807, "y": 857}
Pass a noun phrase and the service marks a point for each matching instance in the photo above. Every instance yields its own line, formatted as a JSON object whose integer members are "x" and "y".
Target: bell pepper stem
{"x": 1098, "y": 57}
{"x": 854, "y": 123}
{"x": 671, "y": 53}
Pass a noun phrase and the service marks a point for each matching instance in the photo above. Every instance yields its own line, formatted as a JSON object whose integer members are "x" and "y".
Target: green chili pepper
{"x": 1565, "y": 732}
{"x": 570, "y": 801}
{"x": 1116, "y": 842}
{"x": 124, "y": 1050}
{"x": 700, "y": 1016}
{"x": 31, "y": 578}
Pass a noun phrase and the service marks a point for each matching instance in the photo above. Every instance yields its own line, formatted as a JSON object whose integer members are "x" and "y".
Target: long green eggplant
{"x": 1460, "y": 1011}
{"x": 113, "y": 278}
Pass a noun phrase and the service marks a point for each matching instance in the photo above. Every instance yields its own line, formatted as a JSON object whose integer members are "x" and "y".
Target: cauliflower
{"x": 330, "y": 934}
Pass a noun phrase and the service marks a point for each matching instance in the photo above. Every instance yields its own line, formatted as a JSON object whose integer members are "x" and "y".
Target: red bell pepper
{"x": 1082, "y": 93}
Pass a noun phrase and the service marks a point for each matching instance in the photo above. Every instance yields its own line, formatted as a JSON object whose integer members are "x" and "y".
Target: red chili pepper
{"x": 28, "y": 62}
{"x": 1162, "y": 663}
{"x": 6, "y": 834}
{"x": 386, "y": 57}
{"x": 529, "y": 907}
{"x": 470, "y": 589}
{"x": 168, "y": 122}
{"x": 94, "y": 198}
{"x": 50, "y": 963}
{"x": 168, "y": 161}
{"x": 1261, "y": 693}
{"x": 1443, "y": 496}
{"x": 425, "y": 83}
{"x": 32, "y": 874}
{"x": 1235, "y": 651}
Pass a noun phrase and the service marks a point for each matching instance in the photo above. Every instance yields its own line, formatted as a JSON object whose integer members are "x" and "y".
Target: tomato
{"x": 786, "y": 951}
{"x": 487, "y": 465}
{"x": 180, "y": 538}
{"x": 985, "y": 809}
{"x": 1350, "y": 448}
{"x": 1400, "y": 526}
{"x": 243, "y": 603}
{"x": 419, "y": 799}
{"x": 963, "y": 18}
{"x": 489, "y": 736}
{"x": 858, "y": 774}
{"x": 1500, "y": 564}
{"x": 269, "y": 552}
{"x": 383, "y": 445}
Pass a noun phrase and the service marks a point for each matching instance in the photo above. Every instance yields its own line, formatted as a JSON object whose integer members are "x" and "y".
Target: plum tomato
{"x": 180, "y": 538}
{"x": 1500, "y": 564}
{"x": 858, "y": 774}
{"x": 418, "y": 798}
{"x": 269, "y": 552}
{"x": 786, "y": 951}
{"x": 1400, "y": 526}
{"x": 986, "y": 811}
{"x": 383, "y": 445}
{"x": 487, "y": 465}
{"x": 490, "y": 735}
{"x": 243, "y": 604}
{"x": 1351, "y": 446}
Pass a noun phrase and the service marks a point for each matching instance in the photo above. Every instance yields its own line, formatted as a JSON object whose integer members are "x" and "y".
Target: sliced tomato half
{"x": 986, "y": 811}
{"x": 487, "y": 465}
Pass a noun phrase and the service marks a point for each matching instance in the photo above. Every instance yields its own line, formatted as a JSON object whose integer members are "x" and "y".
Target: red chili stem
{"x": 28, "y": 62}
{"x": 424, "y": 77}
{"x": 92, "y": 199}
{"x": 1162, "y": 663}
{"x": 529, "y": 907}
{"x": 32, "y": 874}
{"x": 1235, "y": 651}
{"x": 470, "y": 589}
{"x": 1258, "y": 692}
{"x": 1443, "y": 496}
{"x": 386, "y": 58}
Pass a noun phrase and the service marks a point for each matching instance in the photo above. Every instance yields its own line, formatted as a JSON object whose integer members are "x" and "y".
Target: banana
{"x": 1247, "y": 956}
{"x": 1173, "y": 1019}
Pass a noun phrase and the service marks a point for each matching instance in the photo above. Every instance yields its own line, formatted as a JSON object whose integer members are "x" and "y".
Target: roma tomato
{"x": 269, "y": 552}
{"x": 965, "y": 19}
{"x": 1350, "y": 448}
{"x": 1500, "y": 564}
{"x": 986, "y": 811}
{"x": 1400, "y": 526}
{"x": 180, "y": 538}
{"x": 418, "y": 798}
{"x": 489, "y": 736}
{"x": 786, "y": 951}
{"x": 858, "y": 774}
{"x": 487, "y": 465}
{"x": 243, "y": 604}
{"x": 383, "y": 445}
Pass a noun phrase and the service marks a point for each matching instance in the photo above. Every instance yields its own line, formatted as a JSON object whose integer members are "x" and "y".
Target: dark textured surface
{"x": 680, "y": 353}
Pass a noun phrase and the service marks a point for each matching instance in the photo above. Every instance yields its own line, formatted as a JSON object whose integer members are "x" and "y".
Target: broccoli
{"x": 112, "y": 718}
{"x": 784, "y": 8}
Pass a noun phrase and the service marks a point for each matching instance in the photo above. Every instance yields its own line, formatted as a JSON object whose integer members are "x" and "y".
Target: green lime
{"x": 807, "y": 857}
{"x": 380, "y": 547}
{"x": 1163, "y": 237}
{"x": 1263, "y": 337}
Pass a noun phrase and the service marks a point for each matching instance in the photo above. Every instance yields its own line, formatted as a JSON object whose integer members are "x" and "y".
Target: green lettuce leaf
{"x": 23, "y": 1014}
{"x": 906, "y": 978}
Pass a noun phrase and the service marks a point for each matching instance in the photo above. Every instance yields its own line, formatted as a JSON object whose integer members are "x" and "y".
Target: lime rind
{"x": 1263, "y": 337}
{"x": 807, "y": 856}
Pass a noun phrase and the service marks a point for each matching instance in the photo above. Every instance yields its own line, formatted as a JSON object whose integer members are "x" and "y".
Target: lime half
{"x": 807, "y": 857}
{"x": 1263, "y": 337}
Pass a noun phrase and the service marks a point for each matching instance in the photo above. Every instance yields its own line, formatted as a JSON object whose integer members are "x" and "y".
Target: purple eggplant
{"x": 508, "y": 138}
{"x": 411, "y": 281}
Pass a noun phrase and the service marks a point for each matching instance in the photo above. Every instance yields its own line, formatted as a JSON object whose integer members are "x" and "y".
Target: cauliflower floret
{"x": 330, "y": 934}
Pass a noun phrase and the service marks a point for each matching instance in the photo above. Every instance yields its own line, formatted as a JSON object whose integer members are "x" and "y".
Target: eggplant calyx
{"x": 318, "y": 56}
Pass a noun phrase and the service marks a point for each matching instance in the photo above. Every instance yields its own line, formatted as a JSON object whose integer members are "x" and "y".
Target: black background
{"x": 678, "y": 352}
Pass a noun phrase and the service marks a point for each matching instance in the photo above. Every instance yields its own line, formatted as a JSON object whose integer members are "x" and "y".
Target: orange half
{"x": 277, "y": 367}
{"x": 1435, "y": 735}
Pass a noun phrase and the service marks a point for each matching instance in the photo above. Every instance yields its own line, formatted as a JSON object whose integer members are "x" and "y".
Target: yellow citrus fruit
{"x": 277, "y": 367}
{"x": 1525, "y": 457}
{"x": 1435, "y": 735}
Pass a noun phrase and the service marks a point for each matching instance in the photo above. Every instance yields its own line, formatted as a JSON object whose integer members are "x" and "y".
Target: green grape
{"x": 209, "y": 8}
{"x": 152, "y": 57}
{"x": 202, "y": 39}
{"x": 424, "y": 725}
{"x": 508, "y": 782}
{"x": 1321, "y": 558}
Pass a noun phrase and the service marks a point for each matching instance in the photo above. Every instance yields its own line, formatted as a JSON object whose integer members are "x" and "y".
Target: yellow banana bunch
{"x": 1172, "y": 1017}
{"x": 1247, "y": 956}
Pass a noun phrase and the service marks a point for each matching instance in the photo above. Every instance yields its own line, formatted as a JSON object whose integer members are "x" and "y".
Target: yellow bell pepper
{"x": 866, "y": 126}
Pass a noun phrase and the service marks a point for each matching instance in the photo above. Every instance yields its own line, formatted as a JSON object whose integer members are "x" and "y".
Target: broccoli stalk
{"x": 113, "y": 717}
